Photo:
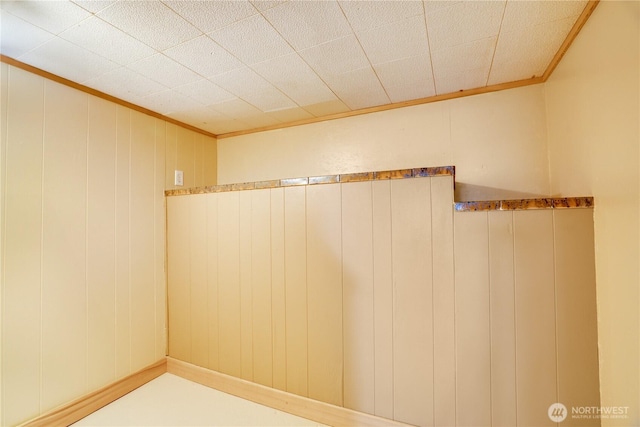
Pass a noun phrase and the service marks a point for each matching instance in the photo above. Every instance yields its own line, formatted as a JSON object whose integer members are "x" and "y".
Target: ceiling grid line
{"x": 504, "y": 9}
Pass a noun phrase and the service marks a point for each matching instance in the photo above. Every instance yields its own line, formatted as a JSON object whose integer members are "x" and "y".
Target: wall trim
{"x": 82, "y": 88}
{"x": 77, "y": 409}
{"x": 287, "y": 402}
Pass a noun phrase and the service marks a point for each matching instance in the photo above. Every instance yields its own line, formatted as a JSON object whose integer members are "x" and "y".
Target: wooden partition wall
{"x": 377, "y": 296}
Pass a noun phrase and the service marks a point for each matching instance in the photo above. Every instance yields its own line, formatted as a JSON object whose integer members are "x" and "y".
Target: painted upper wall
{"x": 497, "y": 141}
{"x": 593, "y": 119}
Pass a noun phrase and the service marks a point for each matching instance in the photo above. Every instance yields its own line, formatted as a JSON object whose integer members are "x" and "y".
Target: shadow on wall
{"x": 471, "y": 193}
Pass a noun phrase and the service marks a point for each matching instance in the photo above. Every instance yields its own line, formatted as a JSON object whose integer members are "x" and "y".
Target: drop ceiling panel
{"x": 366, "y": 15}
{"x": 407, "y": 78}
{"x": 308, "y": 23}
{"x": 464, "y": 22}
{"x": 106, "y": 40}
{"x": 52, "y": 16}
{"x": 398, "y": 40}
{"x": 204, "y": 56}
{"x": 252, "y": 40}
{"x": 18, "y": 37}
{"x": 67, "y": 60}
{"x": 295, "y": 79}
{"x": 151, "y": 22}
{"x": 212, "y": 15}
{"x": 264, "y": 62}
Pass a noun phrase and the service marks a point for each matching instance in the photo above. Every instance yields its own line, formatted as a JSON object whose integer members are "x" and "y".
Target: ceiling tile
{"x": 237, "y": 108}
{"x": 252, "y": 40}
{"x": 366, "y": 15}
{"x": 165, "y": 71}
{"x": 104, "y": 39}
{"x": 461, "y": 80}
{"x": 67, "y": 60}
{"x": 200, "y": 117}
{"x": 261, "y": 120}
{"x": 469, "y": 62}
{"x": 463, "y": 22}
{"x": 327, "y": 108}
{"x": 151, "y": 22}
{"x": 522, "y": 55}
{"x": 522, "y": 14}
{"x": 204, "y": 56}
{"x": 263, "y": 5}
{"x": 53, "y": 16}
{"x": 125, "y": 84}
{"x": 291, "y": 115}
{"x": 18, "y": 37}
{"x": 295, "y": 79}
{"x": 212, "y": 15}
{"x": 168, "y": 102}
{"x": 205, "y": 92}
{"x": 336, "y": 57}
{"x": 249, "y": 86}
{"x": 308, "y": 23}
{"x": 359, "y": 89}
{"x": 406, "y": 79}
{"x": 398, "y": 40}
{"x": 94, "y": 6}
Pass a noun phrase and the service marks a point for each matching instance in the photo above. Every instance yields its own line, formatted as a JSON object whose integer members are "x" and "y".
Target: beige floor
{"x": 173, "y": 401}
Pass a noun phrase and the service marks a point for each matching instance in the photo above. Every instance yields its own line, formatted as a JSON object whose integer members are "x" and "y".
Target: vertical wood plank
{"x": 22, "y": 240}
{"x": 324, "y": 287}
{"x": 578, "y": 382}
{"x": 198, "y": 259}
{"x": 473, "y": 333}
{"x": 246, "y": 300}
{"x": 278, "y": 295}
{"x": 101, "y": 245}
{"x": 142, "y": 240}
{"x": 383, "y": 298}
{"x": 295, "y": 256}
{"x": 160, "y": 227}
{"x": 171, "y": 152}
{"x": 358, "y": 304}
{"x": 198, "y": 160}
{"x": 123, "y": 331}
{"x": 444, "y": 367}
{"x": 261, "y": 286}
{"x": 412, "y": 313}
{"x": 535, "y": 317}
{"x": 503, "y": 322}
{"x": 185, "y": 153}
{"x": 229, "y": 284}
{"x": 212, "y": 281}
{"x": 64, "y": 287}
{"x": 210, "y": 155}
{"x": 178, "y": 272}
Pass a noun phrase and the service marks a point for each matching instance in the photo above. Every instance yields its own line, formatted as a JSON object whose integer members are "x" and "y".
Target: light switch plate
{"x": 179, "y": 178}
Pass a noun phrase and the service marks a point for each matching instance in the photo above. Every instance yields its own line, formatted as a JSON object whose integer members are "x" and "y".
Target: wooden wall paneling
{"x": 444, "y": 356}
{"x": 324, "y": 287}
{"x": 412, "y": 313}
{"x": 358, "y": 303}
{"x": 171, "y": 153}
{"x": 185, "y": 152}
{"x": 535, "y": 317}
{"x": 261, "y": 286}
{"x": 278, "y": 295}
{"x": 198, "y": 160}
{"x": 123, "y": 330}
{"x": 64, "y": 239}
{"x": 246, "y": 297}
{"x": 578, "y": 382}
{"x": 199, "y": 315}
{"x": 295, "y": 262}
{"x": 473, "y": 333}
{"x": 22, "y": 241}
{"x": 229, "y": 306}
{"x": 160, "y": 243}
{"x": 142, "y": 240}
{"x": 178, "y": 276}
{"x": 503, "y": 322}
{"x": 382, "y": 298}
{"x": 101, "y": 243}
{"x": 210, "y": 156}
{"x": 212, "y": 281}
